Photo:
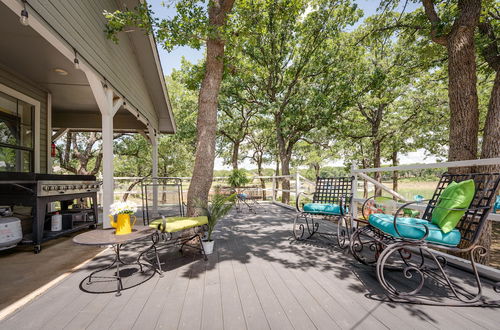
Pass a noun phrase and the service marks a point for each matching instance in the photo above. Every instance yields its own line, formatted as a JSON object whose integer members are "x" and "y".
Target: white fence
{"x": 361, "y": 174}
{"x": 300, "y": 184}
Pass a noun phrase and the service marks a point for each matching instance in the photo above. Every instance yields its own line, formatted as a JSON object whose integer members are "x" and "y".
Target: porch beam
{"x": 144, "y": 135}
{"x": 117, "y": 104}
{"x": 60, "y": 132}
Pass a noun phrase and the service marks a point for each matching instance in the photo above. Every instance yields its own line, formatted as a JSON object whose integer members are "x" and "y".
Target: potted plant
{"x": 238, "y": 179}
{"x": 215, "y": 210}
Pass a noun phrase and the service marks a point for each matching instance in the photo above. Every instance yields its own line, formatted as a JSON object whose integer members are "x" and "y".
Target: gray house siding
{"x": 25, "y": 87}
{"x": 82, "y": 24}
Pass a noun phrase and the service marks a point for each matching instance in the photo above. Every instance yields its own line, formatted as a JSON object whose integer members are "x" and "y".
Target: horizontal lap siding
{"x": 9, "y": 79}
{"x": 82, "y": 24}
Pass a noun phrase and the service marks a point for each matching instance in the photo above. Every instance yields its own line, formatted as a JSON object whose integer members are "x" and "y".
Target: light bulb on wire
{"x": 76, "y": 61}
{"x": 24, "y": 17}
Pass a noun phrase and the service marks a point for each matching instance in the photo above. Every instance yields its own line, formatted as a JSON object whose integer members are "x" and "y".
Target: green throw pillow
{"x": 455, "y": 196}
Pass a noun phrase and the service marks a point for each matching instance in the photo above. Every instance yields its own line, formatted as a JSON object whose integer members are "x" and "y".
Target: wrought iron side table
{"x": 108, "y": 237}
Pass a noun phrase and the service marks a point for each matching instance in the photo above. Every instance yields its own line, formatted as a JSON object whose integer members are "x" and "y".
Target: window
{"x": 16, "y": 135}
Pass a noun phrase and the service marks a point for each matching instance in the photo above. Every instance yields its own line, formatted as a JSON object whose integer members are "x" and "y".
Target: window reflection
{"x": 16, "y": 134}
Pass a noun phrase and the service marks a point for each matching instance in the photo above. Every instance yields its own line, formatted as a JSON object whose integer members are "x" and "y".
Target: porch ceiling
{"x": 26, "y": 54}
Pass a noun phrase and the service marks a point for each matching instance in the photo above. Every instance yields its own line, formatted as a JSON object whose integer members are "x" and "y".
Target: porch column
{"x": 107, "y": 167}
{"x": 154, "y": 143}
{"x": 108, "y": 106}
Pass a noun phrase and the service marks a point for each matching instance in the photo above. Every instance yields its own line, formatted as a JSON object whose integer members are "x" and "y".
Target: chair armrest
{"x": 403, "y": 207}
{"x": 342, "y": 202}
{"x": 297, "y": 201}
{"x": 365, "y": 205}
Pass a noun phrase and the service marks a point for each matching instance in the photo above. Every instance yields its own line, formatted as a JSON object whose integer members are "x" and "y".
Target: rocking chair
{"x": 330, "y": 202}
{"x": 392, "y": 242}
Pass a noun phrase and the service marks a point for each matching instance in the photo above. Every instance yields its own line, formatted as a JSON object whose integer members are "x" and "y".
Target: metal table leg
{"x": 117, "y": 277}
{"x": 154, "y": 238}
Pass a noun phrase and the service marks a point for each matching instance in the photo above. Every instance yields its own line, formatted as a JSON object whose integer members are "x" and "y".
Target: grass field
{"x": 409, "y": 189}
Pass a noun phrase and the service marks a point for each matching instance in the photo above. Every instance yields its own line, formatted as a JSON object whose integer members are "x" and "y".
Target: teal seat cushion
{"x": 413, "y": 228}
{"x": 497, "y": 204}
{"x": 327, "y": 209}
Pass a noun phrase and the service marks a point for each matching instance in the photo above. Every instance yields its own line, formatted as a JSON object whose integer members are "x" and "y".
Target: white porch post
{"x": 107, "y": 167}
{"x": 154, "y": 143}
{"x": 108, "y": 107}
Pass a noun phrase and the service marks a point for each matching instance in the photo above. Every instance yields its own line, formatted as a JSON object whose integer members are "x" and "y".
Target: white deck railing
{"x": 299, "y": 184}
{"x": 361, "y": 174}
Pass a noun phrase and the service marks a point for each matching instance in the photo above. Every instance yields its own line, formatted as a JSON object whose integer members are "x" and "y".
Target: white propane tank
{"x": 10, "y": 232}
{"x": 56, "y": 222}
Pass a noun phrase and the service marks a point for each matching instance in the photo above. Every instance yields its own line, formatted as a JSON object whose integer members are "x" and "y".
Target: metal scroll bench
{"x": 403, "y": 249}
{"x": 177, "y": 230}
{"x": 181, "y": 231}
{"x": 330, "y": 202}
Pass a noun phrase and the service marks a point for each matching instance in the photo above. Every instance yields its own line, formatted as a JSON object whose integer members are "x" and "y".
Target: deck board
{"x": 258, "y": 278}
{"x": 212, "y": 317}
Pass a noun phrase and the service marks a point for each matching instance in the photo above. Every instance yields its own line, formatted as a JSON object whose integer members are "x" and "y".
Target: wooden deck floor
{"x": 258, "y": 279}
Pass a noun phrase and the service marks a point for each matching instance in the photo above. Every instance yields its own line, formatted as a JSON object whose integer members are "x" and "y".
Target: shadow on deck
{"x": 258, "y": 278}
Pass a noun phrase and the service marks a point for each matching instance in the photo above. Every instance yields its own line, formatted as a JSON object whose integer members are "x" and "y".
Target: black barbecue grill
{"x": 37, "y": 190}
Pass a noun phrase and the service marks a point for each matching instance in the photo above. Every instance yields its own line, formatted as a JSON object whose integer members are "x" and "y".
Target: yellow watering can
{"x": 122, "y": 224}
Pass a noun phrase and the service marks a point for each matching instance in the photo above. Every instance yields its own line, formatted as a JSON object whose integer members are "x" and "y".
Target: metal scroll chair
{"x": 392, "y": 243}
{"x": 247, "y": 197}
{"x": 330, "y": 201}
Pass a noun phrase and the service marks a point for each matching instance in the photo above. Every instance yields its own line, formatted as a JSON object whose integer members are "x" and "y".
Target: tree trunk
{"x": 462, "y": 79}
{"x": 277, "y": 173}
{"x": 317, "y": 169}
{"x": 365, "y": 183}
{"x": 377, "y": 163}
{"x": 235, "y": 155}
{"x": 462, "y": 94}
{"x": 129, "y": 189}
{"x": 262, "y": 181}
{"x": 395, "y": 174}
{"x": 285, "y": 171}
{"x": 206, "y": 123}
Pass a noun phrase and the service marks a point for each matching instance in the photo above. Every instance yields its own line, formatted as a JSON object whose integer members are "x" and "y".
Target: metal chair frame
{"x": 412, "y": 256}
{"x": 172, "y": 239}
{"x": 337, "y": 190}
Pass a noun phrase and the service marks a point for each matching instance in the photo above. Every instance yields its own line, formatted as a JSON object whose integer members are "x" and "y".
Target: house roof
{"x": 132, "y": 67}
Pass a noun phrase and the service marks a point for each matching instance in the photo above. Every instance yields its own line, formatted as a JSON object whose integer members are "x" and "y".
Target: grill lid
{"x": 20, "y": 176}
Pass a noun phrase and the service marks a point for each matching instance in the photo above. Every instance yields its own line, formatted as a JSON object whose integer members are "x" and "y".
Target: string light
{"x": 76, "y": 61}
{"x": 24, "y": 15}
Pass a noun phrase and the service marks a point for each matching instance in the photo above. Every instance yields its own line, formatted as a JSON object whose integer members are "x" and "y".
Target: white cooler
{"x": 10, "y": 232}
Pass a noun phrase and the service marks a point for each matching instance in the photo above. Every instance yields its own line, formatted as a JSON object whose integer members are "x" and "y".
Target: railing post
{"x": 354, "y": 189}
{"x": 274, "y": 188}
{"x": 297, "y": 184}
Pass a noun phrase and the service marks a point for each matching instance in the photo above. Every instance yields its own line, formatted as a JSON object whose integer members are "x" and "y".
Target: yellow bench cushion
{"x": 175, "y": 224}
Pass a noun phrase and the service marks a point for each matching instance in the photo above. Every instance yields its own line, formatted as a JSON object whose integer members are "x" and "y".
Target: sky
{"x": 172, "y": 60}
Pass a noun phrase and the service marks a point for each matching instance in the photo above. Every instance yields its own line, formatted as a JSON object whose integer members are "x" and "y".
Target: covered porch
{"x": 79, "y": 81}
{"x": 259, "y": 278}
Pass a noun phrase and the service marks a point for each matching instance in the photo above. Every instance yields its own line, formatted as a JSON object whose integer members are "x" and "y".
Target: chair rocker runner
{"x": 330, "y": 202}
{"x": 407, "y": 246}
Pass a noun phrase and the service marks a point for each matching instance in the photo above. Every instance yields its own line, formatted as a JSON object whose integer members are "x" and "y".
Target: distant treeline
{"x": 428, "y": 174}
